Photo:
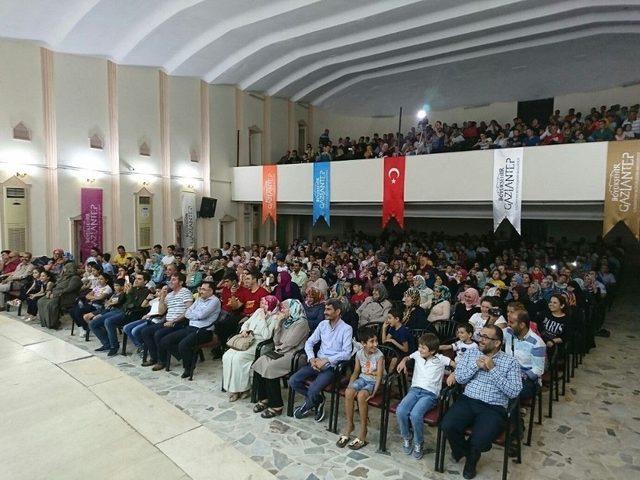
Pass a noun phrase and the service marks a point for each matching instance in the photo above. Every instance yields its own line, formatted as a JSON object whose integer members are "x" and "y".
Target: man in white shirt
{"x": 170, "y": 256}
{"x": 201, "y": 316}
{"x": 173, "y": 306}
{"x": 298, "y": 276}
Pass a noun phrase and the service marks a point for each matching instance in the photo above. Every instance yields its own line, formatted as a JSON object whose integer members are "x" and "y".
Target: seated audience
{"x": 426, "y": 383}
{"x": 334, "y": 336}
{"x": 375, "y": 308}
{"x": 15, "y": 275}
{"x": 314, "y": 307}
{"x": 62, "y": 297}
{"x": 464, "y": 343}
{"x": 469, "y": 306}
{"x": 368, "y": 373}
{"x": 289, "y": 335}
{"x": 491, "y": 378}
{"x": 236, "y": 364}
{"x": 201, "y": 317}
{"x": 441, "y": 307}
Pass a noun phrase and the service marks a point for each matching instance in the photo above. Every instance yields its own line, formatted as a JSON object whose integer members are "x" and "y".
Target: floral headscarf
{"x": 296, "y": 312}
{"x": 445, "y": 294}
{"x": 272, "y": 303}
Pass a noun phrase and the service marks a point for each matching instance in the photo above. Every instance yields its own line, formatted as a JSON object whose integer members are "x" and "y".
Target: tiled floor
{"x": 594, "y": 433}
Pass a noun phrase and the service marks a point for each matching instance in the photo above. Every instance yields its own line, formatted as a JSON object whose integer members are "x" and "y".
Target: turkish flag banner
{"x": 393, "y": 195}
{"x": 269, "y": 192}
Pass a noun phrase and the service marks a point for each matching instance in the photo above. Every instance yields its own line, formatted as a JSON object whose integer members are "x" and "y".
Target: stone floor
{"x": 594, "y": 433}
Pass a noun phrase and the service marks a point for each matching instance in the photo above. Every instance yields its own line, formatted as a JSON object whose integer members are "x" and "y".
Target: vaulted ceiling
{"x": 355, "y": 56}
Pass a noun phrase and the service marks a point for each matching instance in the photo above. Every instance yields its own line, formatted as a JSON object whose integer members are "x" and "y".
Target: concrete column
{"x": 113, "y": 152}
{"x": 50, "y": 149}
{"x": 168, "y": 235}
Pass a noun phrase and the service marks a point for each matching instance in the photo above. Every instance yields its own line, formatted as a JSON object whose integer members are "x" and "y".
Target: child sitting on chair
{"x": 465, "y": 341}
{"x": 426, "y": 383}
{"x": 364, "y": 383}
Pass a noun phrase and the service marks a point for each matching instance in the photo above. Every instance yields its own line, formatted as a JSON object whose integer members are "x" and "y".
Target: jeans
{"x": 412, "y": 408}
{"x": 133, "y": 330}
{"x": 486, "y": 420}
{"x": 104, "y": 327}
{"x": 313, "y": 392}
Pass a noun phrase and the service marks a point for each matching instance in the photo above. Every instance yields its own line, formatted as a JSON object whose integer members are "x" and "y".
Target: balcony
{"x": 559, "y": 182}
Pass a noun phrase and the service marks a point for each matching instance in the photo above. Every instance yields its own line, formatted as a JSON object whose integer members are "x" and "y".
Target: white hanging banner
{"x": 188, "y": 220}
{"x": 507, "y": 186}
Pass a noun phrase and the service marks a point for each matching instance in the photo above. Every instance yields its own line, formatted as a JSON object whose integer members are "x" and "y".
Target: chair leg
{"x": 290, "y": 399}
{"x": 168, "y": 367}
{"x": 532, "y": 412}
{"x": 86, "y": 335}
{"x": 333, "y": 416}
{"x": 73, "y": 325}
{"x": 145, "y": 352}
{"x": 201, "y": 355}
{"x": 505, "y": 458}
{"x": 124, "y": 343}
{"x": 254, "y": 389}
{"x": 539, "y": 399}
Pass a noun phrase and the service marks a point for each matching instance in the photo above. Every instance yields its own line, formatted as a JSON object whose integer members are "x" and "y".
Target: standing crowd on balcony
{"x": 614, "y": 123}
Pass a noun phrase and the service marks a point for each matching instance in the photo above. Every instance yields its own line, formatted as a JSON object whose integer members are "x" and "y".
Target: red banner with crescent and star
{"x": 393, "y": 193}
{"x": 269, "y": 192}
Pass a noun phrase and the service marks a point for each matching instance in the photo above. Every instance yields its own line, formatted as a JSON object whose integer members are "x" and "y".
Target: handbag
{"x": 238, "y": 342}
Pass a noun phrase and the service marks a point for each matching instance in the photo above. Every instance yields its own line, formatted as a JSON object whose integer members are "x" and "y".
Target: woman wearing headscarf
{"x": 290, "y": 334}
{"x": 62, "y": 296}
{"x": 441, "y": 309}
{"x": 314, "y": 308}
{"x": 469, "y": 305}
{"x": 375, "y": 308}
{"x": 414, "y": 318}
{"x": 236, "y": 364}
{"x": 286, "y": 289}
{"x": 426, "y": 294}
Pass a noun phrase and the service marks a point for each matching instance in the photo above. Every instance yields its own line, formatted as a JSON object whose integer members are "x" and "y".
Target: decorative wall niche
{"x": 96, "y": 141}
{"x": 145, "y": 151}
{"x": 21, "y": 132}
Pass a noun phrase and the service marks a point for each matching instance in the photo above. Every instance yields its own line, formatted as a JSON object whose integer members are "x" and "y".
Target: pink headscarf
{"x": 272, "y": 302}
{"x": 283, "y": 289}
{"x": 471, "y": 298}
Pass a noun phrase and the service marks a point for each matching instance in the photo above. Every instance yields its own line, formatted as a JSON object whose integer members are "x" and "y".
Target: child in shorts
{"x": 364, "y": 383}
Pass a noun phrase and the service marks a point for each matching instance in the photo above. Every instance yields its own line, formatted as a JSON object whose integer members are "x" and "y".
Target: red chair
{"x": 504, "y": 439}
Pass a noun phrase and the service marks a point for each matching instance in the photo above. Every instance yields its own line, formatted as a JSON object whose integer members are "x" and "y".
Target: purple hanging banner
{"x": 91, "y": 206}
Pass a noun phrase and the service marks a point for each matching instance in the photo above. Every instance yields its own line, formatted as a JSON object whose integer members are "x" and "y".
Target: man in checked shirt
{"x": 491, "y": 378}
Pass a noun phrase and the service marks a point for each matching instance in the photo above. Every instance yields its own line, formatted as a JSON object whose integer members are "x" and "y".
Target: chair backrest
{"x": 446, "y": 330}
{"x": 375, "y": 325}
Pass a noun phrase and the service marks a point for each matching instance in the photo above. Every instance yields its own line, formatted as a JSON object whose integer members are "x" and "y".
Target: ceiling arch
{"x": 323, "y": 51}
{"x": 519, "y": 38}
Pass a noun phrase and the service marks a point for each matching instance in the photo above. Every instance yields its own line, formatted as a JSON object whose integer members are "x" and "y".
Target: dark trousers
{"x": 78, "y": 312}
{"x": 152, "y": 335}
{"x": 487, "y": 422}
{"x": 227, "y": 326}
{"x": 269, "y": 389}
{"x": 313, "y": 392}
{"x": 181, "y": 344}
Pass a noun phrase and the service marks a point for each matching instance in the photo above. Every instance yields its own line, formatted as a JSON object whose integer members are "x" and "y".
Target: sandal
{"x": 357, "y": 444}
{"x": 342, "y": 441}
{"x": 270, "y": 413}
{"x": 259, "y": 407}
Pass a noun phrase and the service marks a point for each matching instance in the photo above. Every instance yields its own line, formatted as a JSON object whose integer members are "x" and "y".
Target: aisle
{"x": 69, "y": 415}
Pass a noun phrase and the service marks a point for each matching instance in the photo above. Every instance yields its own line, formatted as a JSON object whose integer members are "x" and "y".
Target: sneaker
{"x": 112, "y": 352}
{"x": 301, "y": 411}
{"x": 102, "y": 349}
{"x": 320, "y": 411}
{"x": 418, "y": 451}
{"x": 406, "y": 446}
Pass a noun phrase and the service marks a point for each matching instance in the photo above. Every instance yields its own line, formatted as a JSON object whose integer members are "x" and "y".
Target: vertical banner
{"x": 269, "y": 192}
{"x": 188, "y": 239}
{"x": 393, "y": 190}
{"x": 322, "y": 192}
{"x": 91, "y": 211}
{"x": 507, "y": 186}
{"x": 622, "y": 190}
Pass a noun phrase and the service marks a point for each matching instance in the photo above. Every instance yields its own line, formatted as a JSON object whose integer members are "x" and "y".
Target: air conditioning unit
{"x": 144, "y": 221}
{"x": 15, "y": 215}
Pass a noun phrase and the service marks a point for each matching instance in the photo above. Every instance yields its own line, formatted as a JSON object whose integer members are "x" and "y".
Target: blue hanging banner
{"x": 321, "y": 192}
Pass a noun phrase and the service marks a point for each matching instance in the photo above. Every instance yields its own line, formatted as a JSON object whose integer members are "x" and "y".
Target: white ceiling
{"x": 365, "y": 57}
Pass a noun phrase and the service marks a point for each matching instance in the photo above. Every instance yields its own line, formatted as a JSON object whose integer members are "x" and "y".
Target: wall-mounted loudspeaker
{"x": 207, "y": 207}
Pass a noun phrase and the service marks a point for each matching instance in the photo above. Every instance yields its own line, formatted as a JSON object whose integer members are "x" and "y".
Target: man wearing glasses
{"x": 201, "y": 315}
{"x": 491, "y": 378}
